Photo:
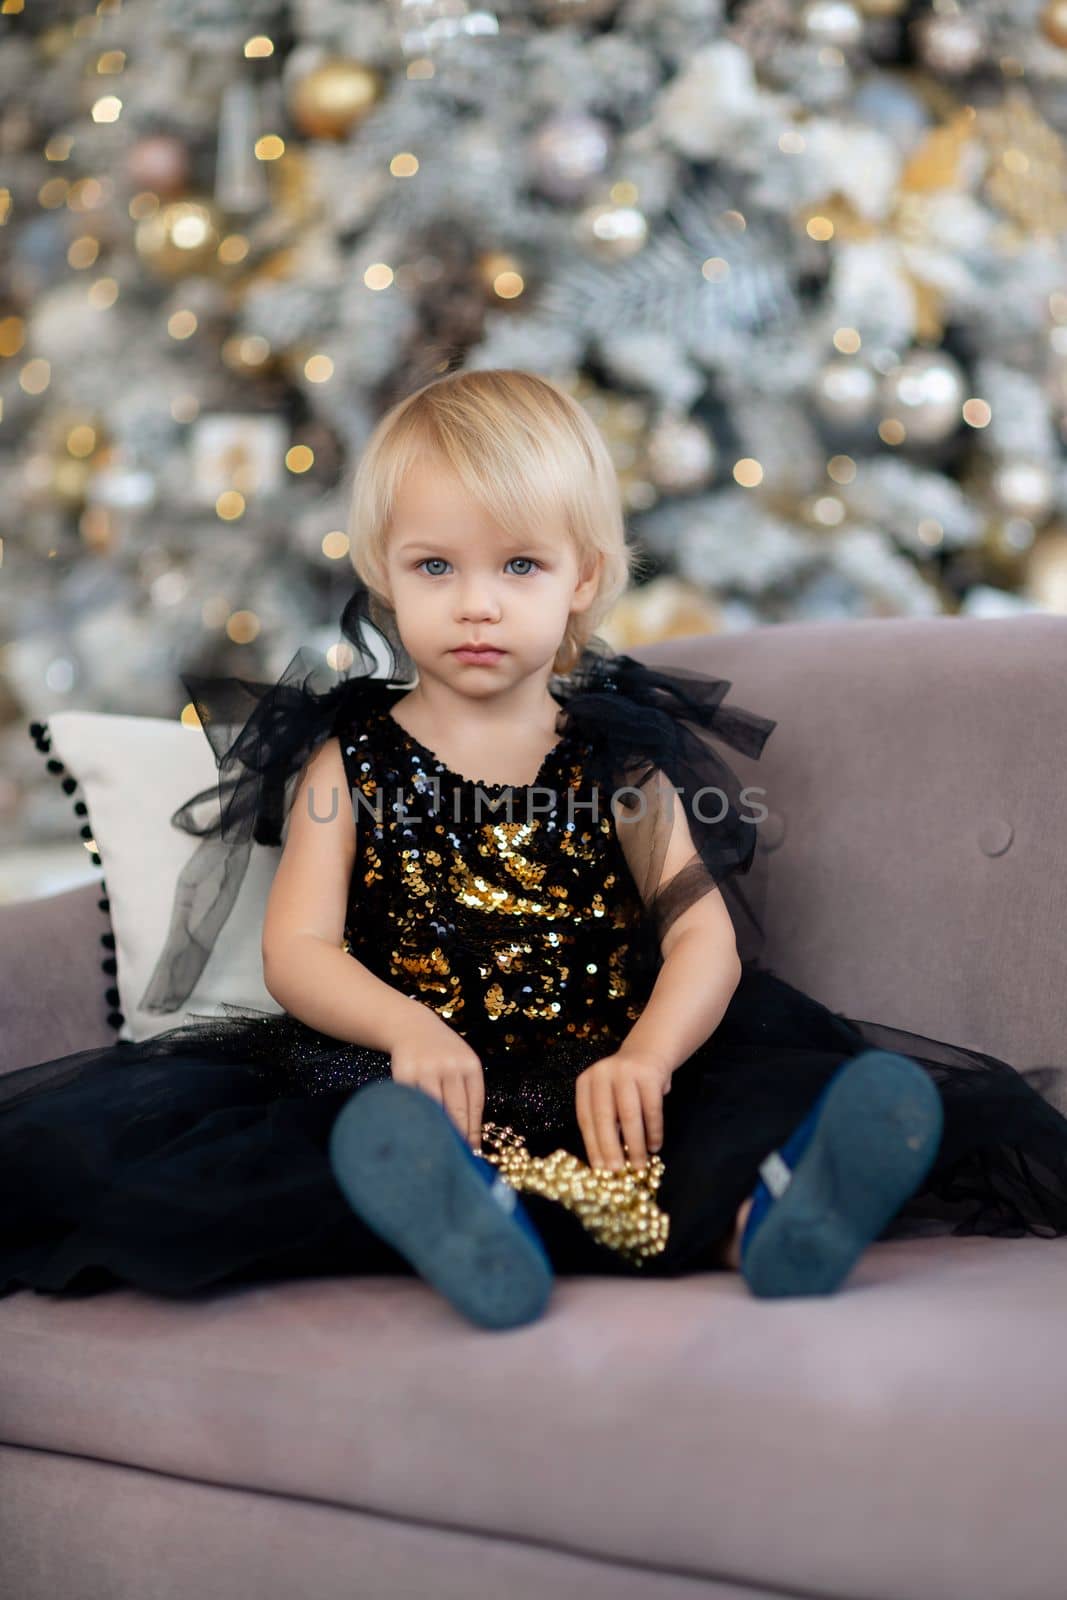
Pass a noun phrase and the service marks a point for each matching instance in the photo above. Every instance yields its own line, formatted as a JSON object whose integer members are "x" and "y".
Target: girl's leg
{"x": 411, "y": 1176}
{"x": 731, "y": 1249}
{"x": 729, "y": 1150}
{"x": 857, "y": 1156}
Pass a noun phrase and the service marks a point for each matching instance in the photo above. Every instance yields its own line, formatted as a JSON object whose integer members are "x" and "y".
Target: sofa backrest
{"x": 915, "y": 854}
{"x": 916, "y": 849}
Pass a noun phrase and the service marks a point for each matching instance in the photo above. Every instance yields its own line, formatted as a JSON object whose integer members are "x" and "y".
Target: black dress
{"x": 198, "y": 1157}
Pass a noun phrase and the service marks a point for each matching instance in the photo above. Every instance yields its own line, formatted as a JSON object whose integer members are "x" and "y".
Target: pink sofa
{"x": 905, "y": 1439}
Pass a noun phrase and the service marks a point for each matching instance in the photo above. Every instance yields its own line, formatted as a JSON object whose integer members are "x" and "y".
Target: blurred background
{"x": 802, "y": 262}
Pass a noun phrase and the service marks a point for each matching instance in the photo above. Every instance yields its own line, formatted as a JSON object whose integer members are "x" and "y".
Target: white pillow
{"x": 134, "y": 773}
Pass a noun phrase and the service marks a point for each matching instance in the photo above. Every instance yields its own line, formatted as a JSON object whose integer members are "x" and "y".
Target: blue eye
{"x": 426, "y": 559}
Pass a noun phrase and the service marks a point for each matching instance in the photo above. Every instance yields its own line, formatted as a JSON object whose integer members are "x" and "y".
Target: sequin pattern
{"x": 509, "y": 912}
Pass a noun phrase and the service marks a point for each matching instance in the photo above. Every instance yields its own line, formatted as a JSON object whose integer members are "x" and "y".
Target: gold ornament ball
{"x": 666, "y": 608}
{"x": 1053, "y": 23}
{"x": 179, "y": 238}
{"x": 70, "y": 480}
{"x": 329, "y": 101}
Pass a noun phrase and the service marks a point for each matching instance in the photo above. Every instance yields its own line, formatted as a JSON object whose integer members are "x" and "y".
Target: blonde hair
{"x": 525, "y": 450}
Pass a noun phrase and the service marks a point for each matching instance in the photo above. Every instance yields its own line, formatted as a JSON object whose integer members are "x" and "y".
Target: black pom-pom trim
{"x": 40, "y": 733}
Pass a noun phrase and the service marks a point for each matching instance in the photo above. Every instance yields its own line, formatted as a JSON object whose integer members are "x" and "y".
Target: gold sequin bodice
{"x": 510, "y": 911}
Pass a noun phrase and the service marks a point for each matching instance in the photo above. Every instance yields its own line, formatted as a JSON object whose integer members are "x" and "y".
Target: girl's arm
{"x": 304, "y": 966}
{"x": 701, "y": 965}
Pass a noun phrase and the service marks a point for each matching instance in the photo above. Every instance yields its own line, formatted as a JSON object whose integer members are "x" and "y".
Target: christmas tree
{"x": 803, "y": 263}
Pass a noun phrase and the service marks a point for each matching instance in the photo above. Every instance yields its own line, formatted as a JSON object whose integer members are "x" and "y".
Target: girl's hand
{"x": 431, "y": 1056}
{"x": 625, "y": 1089}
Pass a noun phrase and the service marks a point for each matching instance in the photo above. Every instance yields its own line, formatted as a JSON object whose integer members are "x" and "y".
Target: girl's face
{"x": 458, "y": 577}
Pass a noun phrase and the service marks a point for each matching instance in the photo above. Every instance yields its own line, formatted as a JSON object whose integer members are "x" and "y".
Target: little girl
{"x": 502, "y": 928}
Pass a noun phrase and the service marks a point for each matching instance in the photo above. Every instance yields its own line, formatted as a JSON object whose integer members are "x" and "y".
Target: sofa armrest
{"x": 51, "y": 983}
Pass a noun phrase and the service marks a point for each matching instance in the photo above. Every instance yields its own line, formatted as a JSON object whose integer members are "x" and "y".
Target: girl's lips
{"x": 478, "y": 655}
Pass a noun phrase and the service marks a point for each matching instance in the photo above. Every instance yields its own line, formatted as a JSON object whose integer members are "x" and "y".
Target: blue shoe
{"x": 406, "y": 1169}
{"x": 841, "y": 1176}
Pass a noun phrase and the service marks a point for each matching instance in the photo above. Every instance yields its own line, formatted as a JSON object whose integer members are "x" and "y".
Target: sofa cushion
{"x": 905, "y": 1437}
{"x": 134, "y": 773}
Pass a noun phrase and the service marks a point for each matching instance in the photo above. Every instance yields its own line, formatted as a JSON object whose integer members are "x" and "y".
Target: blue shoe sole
{"x": 876, "y": 1138}
{"x": 397, "y": 1158}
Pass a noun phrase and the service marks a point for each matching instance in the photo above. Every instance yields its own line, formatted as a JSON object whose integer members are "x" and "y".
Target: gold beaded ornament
{"x": 618, "y": 1208}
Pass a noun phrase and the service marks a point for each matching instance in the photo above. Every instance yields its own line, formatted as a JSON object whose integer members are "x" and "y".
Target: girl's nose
{"x": 478, "y": 605}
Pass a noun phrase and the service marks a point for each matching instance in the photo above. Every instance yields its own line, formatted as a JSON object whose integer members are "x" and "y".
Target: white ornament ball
{"x": 680, "y": 455}
{"x": 925, "y": 393}
{"x": 832, "y": 22}
{"x": 953, "y": 44}
{"x": 1023, "y": 488}
{"x": 569, "y": 152}
{"x": 846, "y": 393}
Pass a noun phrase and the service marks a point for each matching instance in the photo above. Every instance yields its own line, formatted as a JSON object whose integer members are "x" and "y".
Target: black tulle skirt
{"x": 199, "y": 1157}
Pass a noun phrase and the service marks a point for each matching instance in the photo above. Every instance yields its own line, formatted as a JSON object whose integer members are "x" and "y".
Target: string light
{"x": 103, "y": 293}
{"x": 12, "y": 335}
{"x": 748, "y": 472}
{"x": 977, "y": 413}
{"x": 35, "y": 376}
{"x": 83, "y": 252}
{"x": 230, "y": 505}
{"x": 232, "y": 249}
{"x": 335, "y": 545}
{"x": 378, "y": 276}
{"x": 107, "y": 109}
{"x": 182, "y": 325}
{"x": 242, "y": 627}
{"x": 842, "y": 469}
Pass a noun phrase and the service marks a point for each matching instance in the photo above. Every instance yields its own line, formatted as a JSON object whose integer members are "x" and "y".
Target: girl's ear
{"x": 589, "y": 582}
